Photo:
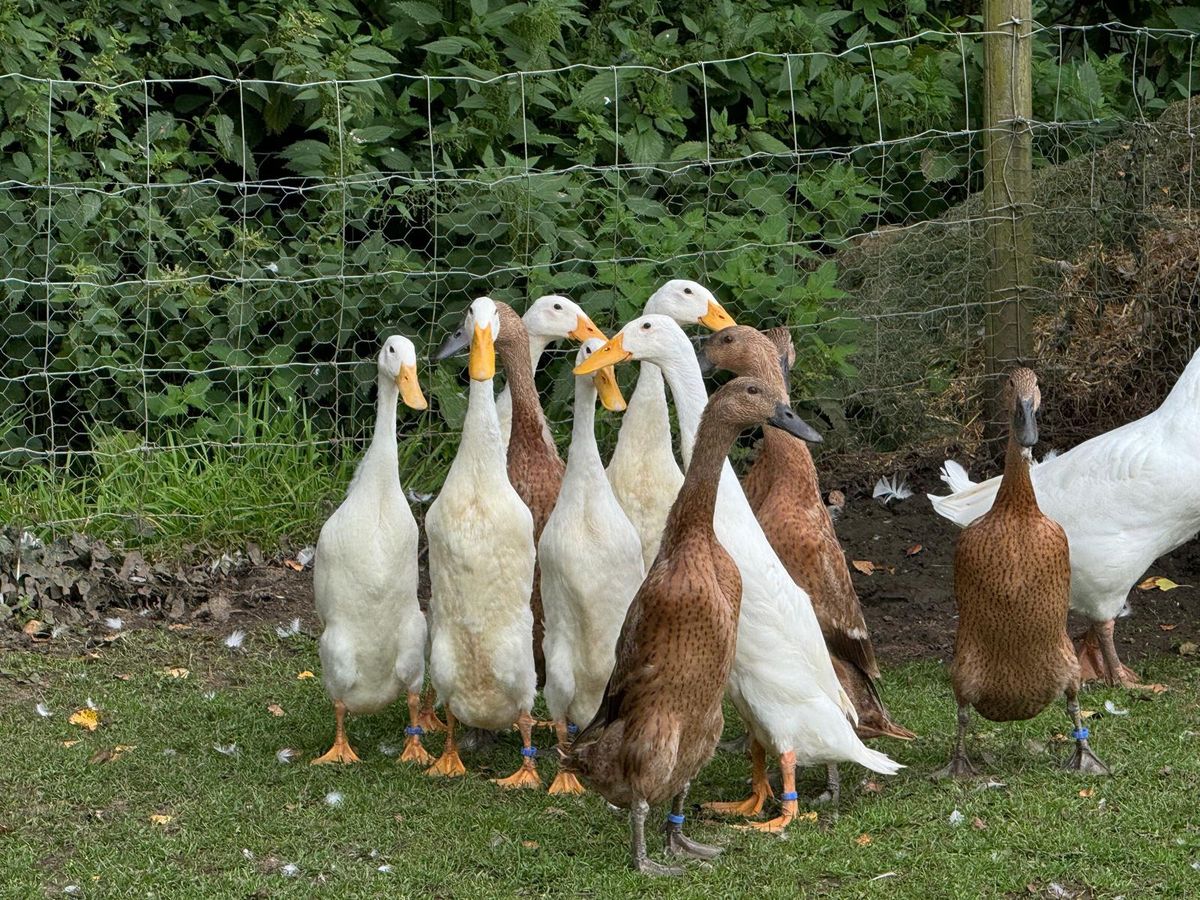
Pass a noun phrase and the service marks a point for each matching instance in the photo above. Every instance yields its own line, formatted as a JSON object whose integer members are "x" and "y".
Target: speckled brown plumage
{"x": 660, "y": 718}
{"x": 534, "y": 466}
{"x": 784, "y": 492}
{"x": 1012, "y": 587}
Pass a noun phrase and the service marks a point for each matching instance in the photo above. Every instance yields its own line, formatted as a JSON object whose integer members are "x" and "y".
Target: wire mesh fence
{"x": 155, "y": 298}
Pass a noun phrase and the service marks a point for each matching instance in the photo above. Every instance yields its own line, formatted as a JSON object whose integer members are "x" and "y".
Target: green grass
{"x": 68, "y": 821}
{"x": 279, "y": 482}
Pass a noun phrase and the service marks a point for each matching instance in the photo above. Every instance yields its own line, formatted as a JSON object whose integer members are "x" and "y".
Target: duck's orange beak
{"x": 482, "y": 364}
{"x": 610, "y": 392}
{"x": 609, "y": 355}
{"x": 716, "y": 318}
{"x": 585, "y": 328}
{"x": 410, "y": 388}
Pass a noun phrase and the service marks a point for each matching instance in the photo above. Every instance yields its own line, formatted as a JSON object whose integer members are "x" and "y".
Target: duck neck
{"x": 787, "y": 459}
{"x": 687, "y": 390}
{"x": 537, "y": 346}
{"x": 527, "y": 418}
{"x": 1016, "y": 487}
{"x": 693, "y": 509}
{"x": 583, "y": 427}
{"x": 481, "y": 428}
{"x": 383, "y": 447}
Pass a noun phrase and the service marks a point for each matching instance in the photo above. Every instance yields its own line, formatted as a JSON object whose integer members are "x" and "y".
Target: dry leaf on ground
{"x": 176, "y": 672}
{"x": 161, "y": 819}
{"x": 85, "y": 718}
{"x": 275, "y": 709}
{"x": 305, "y": 674}
{"x": 863, "y": 565}
{"x": 863, "y": 839}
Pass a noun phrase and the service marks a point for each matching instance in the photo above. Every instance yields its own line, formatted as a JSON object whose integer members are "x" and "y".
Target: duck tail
{"x": 876, "y": 761}
{"x": 955, "y": 476}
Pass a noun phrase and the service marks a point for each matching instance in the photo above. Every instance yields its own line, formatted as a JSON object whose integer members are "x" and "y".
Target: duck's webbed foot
{"x": 760, "y": 789}
{"x": 832, "y": 794}
{"x": 637, "y": 844}
{"x": 960, "y": 766}
{"x": 341, "y": 751}
{"x": 679, "y": 844}
{"x": 1083, "y": 759}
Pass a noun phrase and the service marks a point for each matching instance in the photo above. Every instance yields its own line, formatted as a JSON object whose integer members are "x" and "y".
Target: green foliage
{"x": 174, "y": 292}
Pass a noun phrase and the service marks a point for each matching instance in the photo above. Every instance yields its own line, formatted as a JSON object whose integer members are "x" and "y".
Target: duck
{"x": 481, "y": 563}
{"x": 1012, "y": 587}
{"x": 591, "y": 561}
{"x": 550, "y": 318}
{"x": 643, "y": 471}
{"x": 783, "y": 490}
{"x": 782, "y": 683}
{"x": 535, "y": 468}
{"x": 1124, "y": 499}
{"x": 660, "y": 716}
{"x": 372, "y": 644}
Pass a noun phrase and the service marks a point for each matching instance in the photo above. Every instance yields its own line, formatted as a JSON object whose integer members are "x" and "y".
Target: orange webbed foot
{"x": 751, "y": 806}
{"x": 341, "y": 752}
{"x": 525, "y": 777}
{"x": 448, "y": 765}
{"x": 414, "y": 751}
{"x": 565, "y": 783}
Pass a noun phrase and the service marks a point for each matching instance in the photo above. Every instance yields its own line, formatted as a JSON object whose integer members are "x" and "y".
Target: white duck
{"x": 1124, "y": 499}
{"x": 481, "y": 560}
{"x": 591, "y": 559}
{"x": 365, "y": 576}
{"x": 643, "y": 472}
{"x": 550, "y": 318}
{"x": 783, "y": 683}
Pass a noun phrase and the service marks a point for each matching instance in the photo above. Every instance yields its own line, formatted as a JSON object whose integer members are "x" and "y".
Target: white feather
{"x": 894, "y": 488}
{"x": 235, "y": 638}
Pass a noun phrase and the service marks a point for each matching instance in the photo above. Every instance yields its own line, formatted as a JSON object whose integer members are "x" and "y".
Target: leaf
{"x": 85, "y": 718}
{"x": 275, "y": 709}
{"x": 421, "y": 13}
{"x": 70, "y": 743}
{"x": 807, "y": 817}
{"x": 161, "y": 819}
{"x": 34, "y": 626}
{"x": 176, "y": 672}
{"x": 530, "y": 845}
{"x": 863, "y": 565}
{"x": 767, "y": 143}
{"x": 863, "y": 840}
{"x": 294, "y": 565}
{"x": 1187, "y": 648}
{"x": 448, "y": 46}
{"x": 1159, "y": 582}
{"x": 1167, "y": 626}
{"x": 305, "y": 675}
{"x": 1087, "y": 792}
{"x": 913, "y": 550}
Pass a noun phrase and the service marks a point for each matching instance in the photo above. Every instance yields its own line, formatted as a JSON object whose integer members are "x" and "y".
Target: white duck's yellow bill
{"x": 716, "y": 318}
{"x": 410, "y": 388}
{"x": 585, "y": 328}
{"x": 609, "y": 390}
{"x": 482, "y": 364}
{"x": 609, "y": 355}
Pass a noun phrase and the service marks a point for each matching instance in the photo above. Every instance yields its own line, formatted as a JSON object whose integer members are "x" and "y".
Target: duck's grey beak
{"x": 456, "y": 342}
{"x": 706, "y": 364}
{"x": 786, "y": 419}
{"x": 1025, "y": 423}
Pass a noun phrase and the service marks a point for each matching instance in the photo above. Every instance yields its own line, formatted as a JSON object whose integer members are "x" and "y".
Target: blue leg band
{"x": 529, "y": 751}
{"x": 674, "y": 819}
{"x": 1080, "y": 734}
{"x": 572, "y": 728}
{"x": 788, "y": 795}
{"x": 414, "y": 729}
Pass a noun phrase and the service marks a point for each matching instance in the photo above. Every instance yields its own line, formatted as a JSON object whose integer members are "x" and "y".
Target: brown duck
{"x": 660, "y": 717}
{"x": 1012, "y": 585}
{"x": 783, "y": 491}
{"x": 534, "y": 467}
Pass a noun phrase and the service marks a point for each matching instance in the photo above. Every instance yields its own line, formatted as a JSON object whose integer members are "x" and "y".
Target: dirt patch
{"x": 908, "y": 599}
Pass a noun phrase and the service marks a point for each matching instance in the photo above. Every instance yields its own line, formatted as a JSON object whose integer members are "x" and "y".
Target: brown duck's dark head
{"x": 746, "y": 401}
{"x": 1024, "y": 398}
{"x": 743, "y": 350}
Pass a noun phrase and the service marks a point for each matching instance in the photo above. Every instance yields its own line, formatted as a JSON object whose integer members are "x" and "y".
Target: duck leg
{"x": 564, "y": 782}
{"x": 638, "y": 811}
{"x": 832, "y": 794}
{"x": 1116, "y": 672}
{"x": 448, "y": 765}
{"x": 760, "y": 788}
{"x": 527, "y": 775}
{"x": 679, "y": 844}
{"x": 787, "y": 763}
{"x": 1083, "y": 759}
{"x": 341, "y": 751}
{"x": 428, "y": 718}
{"x": 960, "y": 765}
{"x": 414, "y": 751}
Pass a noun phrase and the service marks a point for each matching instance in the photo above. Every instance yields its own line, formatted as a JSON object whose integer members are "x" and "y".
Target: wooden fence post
{"x": 1008, "y": 176}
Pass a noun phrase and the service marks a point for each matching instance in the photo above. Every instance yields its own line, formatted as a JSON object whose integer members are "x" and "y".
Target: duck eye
{"x": 728, "y": 339}
{"x": 687, "y": 291}
{"x": 391, "y": 349}
{"x": 558, "y": 306}
{"x": 645, "y": 326}
{"x": 751, "y": 390}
